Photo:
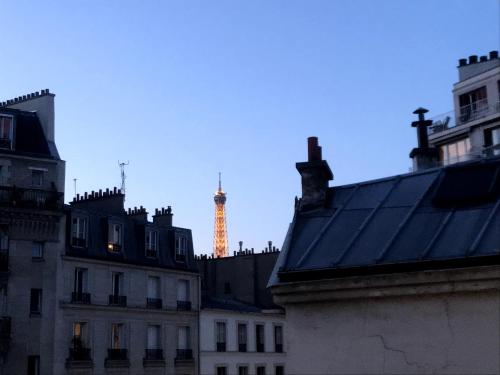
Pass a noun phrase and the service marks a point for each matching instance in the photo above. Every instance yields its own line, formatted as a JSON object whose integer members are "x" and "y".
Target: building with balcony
{"x": 241, "y": 329}
{"x": 88, "y": 287}
{"x": 399, "y": 275}
{"x": 31, "y": 232}
{"x": 472, "y": 129}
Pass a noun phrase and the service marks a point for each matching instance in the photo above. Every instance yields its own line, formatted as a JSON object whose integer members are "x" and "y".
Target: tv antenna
{"x": 123, "y": 175}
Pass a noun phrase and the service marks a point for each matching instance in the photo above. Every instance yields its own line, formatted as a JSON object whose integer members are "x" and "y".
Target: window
{"x": 36, "y": 301}
{"x": 492, "y": 141}
{"x": 153, "y": 299}
{"x": 473, "y": 104}
{"x": 180, "y": 248}
{"x": 80, "y": 294}
{"x": 117, "y": 336}
{"x": 184, "y": 341}
{"x": 242, "y": 337}
{"x": 115, "y": 234}
{"x": 151, "y": 243}
{"x": 227, "y": 288}
{"x": 221, "y": 370}
{"x": 259, "y": 338}
{"x": 36, "y": 178}
{"x": 79, "y": 232}
{"x": 260, "y": 370}
{"x": 455, "y": 152}
{"x": 279, "y": 370}
{"x": 153, "y": 337}
{"x": 37, "y": 250}
{"x": 183, "y": 299}
{"x": 278, "y": 339}
{"x": 6, "y": 131}
{"x": 117, "y": 296}
{"x": 4, "y": 239}
{"x": 79, "y": 335}
{"x": 33, "y": 365}
{"x": 220, "y": 336}
{"x": 242, "y": 370}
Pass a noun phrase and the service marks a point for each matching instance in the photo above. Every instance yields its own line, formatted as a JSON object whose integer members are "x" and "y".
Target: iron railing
{"x": 278, "y": 348}
{"x": 80, "y": 297}
{"x": 221, "y": 347}
{"x": 154, "y": 354}
{"x": 79, "y": 354}
{"x": 78, "y": 242}
{"x": 151, "y": 253}
{"x": 154, "y": 303}
{"x": 117, "y": 354}
{"x": 183, "y": 354}
{"x": 6, "y": 143}
{"x": 13, "y": 196}
{"x": 116, "y": 300}
{"x": 260, "y": 347}
{"x": 183, "y": 305}
{"x": 242, "y": 347}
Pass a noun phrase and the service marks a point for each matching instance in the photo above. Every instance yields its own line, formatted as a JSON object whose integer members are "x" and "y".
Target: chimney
{"x": 138, "y": 214}
{"x": 493, "y": 55}
{"x": 423, "y": 156}
{"x": 41, "y": 103}
{"x": 163, "y": 217}
{"x": 315, "y": 174}
{"x": 472, "y": 59}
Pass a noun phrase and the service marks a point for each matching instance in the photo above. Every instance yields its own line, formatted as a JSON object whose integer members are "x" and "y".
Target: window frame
{"x": 224, "y": 348}
{"x": 41, "y": 175}
{"x": 40, "y": 246}
{"x": 148, "y": 243}
{"x": 115, "y": 243}
{"x": 75, "y": 233}
{"x": 275, "y": 327}
{"x": 263, "y": 325}
{"x": 10, "y": 138}
{"x": 181, "y": 247}
{"x": 245, "y": 324}
{"x": 36, "y": 310}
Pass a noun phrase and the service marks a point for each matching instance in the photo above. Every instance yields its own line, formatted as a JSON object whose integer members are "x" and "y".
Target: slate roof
{"x": 437, "y": 218}
{"x": 229, "y": 304}
{"x": 29, "y": 138}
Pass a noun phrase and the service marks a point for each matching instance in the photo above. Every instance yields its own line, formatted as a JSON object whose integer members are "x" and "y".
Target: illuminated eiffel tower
{"x": 220, "y": 230}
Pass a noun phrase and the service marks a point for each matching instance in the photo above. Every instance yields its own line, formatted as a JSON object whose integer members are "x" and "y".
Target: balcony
{"x": 184, "y": 355}
{"x": 15, "y": 197}
{"x": 153, "y": 358}
{"x": 117, "y": 358}
{"x": 151, "y": 253}
{"x": 115, "y": 300}
{"x": 180, "y": 257}
{"x": 78, "y": 242}
{"x": 154, "y": 303}
{"x": 221, "y": 347}
{"x": 114, "y": 248}
{"x": 183, "y": 305}
{"x": 6, "y": 143}
{"x": 79, "y": 297}
{"x": 79, "y": 357}
{"x": 468, "y": 113}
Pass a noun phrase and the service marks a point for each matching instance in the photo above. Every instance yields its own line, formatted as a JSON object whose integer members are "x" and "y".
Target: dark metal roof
{"x": 29, "y": 138}
{"x": 424, "y": 218}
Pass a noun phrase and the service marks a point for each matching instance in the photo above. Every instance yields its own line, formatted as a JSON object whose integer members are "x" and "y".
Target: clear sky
{"x": 185, "y": 89}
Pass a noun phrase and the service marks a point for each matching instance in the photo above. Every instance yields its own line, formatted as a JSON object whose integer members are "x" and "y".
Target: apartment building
{"x": 242, "y": 331}
{"x": 89, "y": 287}
{"x": 472, "y": 129}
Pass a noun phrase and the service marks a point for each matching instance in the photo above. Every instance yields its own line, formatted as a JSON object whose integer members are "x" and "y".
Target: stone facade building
{"x": 241, "y": 329}
{"x": 86, "y": 288}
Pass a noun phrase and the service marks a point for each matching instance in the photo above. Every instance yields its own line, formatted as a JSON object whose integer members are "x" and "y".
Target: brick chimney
{"x": 423, "y": 156}
{"x": 163, "y": 217}
{"x": 315, "y": 174}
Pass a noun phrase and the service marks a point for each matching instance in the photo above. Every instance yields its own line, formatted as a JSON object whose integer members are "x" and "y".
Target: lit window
{"x": 79, "y": 232}
{"x": 37, "y": 250}
{"x": 36, "y": 178}
{"x": 115, "y": 234}
{"x": 455, "y": 152}
{"x": 117, "y": 336}
{"x": 6, "y": 131}
{"x": 79, "y": 335}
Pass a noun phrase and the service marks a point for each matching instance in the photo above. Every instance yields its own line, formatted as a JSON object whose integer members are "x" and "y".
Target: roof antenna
{"x": 220, "y": 188}
{"x": 123, "y": 176}
{"x": 74, "y": 181}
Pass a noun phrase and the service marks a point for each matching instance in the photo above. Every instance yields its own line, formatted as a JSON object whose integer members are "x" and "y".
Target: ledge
{"x": 93, "y": 306}
{"x": 76, "y": 364}
{"x": 153, "y": 362}
{"x": 116, "y": 363}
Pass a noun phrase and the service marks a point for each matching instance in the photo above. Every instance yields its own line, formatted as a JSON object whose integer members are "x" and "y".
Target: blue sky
{"x": 185, "y": 89}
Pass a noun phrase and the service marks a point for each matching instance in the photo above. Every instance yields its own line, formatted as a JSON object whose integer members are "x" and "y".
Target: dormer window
{"x": 6, "y": 132}
{"x": 115, "y": 237}
{"x": 151, "y": 243}
{"x": 37, "y": 178}
{"x": 79, "y": 231}
{"x": 180, "y": 248}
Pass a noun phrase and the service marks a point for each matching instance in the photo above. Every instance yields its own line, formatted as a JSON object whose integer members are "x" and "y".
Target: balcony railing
{"x": 242, "y": 347}
{"x": 6, "y": 143}
{"x": 12, "y": 196}
{"x": 260, "y": 347}
{"x": 80, "y": 297}
{"x": 154, "y": 303}
{"x": 184, "y": 354}
{"x": 154, "y": 354}
{"x": 151, "y": 253}
{"x": 116, "y": 300}
{"x": 79, "y": 354}
{"x": 184, "y": 305}
{"x": 221, "y": 347}
{"x": 179, "y": 257}
{"x": 466, "y": 114}
{"x": 278, "y": 348}
{"x": 78, "y": 242}
{"x": 4, "y": 260}
{"x": 117, "y": 354}
{"x": 114, "y": 247}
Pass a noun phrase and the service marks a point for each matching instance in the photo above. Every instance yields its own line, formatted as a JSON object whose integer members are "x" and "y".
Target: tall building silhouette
{"x": 220, "y": 228}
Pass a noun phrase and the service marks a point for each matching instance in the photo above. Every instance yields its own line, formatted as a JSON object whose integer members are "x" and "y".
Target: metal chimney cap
{"x": 420, "y": 110}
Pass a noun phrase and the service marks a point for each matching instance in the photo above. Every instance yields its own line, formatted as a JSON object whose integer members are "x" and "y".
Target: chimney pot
{"x": 462, "y": 62}
{"x": 241, "y": 244}
{"x": 472, "y": 59}
{"x": 493, "y": 55}
{"x": 483, "y": 58}
{"x": 313, "y": 150}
